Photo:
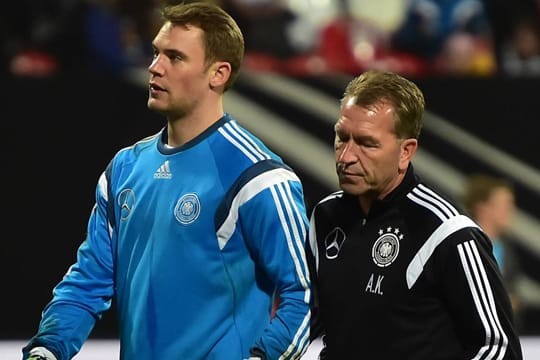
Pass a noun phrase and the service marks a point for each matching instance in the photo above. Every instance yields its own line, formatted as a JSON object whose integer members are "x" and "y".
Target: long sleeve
{"x": 84, "y": 293}
{"x": 473, "y": 286}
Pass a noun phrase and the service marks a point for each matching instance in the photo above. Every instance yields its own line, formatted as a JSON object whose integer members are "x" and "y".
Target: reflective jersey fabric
{"x": 413, "y": 279}
{"x": 193, "y": 243}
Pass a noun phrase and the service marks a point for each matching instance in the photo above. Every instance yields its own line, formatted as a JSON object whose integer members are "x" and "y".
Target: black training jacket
{"x": 413, "y": 279}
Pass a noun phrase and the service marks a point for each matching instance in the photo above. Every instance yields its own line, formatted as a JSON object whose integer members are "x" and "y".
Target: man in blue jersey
{"x": 196, "y": 229}
{"x": 398, "y": 272}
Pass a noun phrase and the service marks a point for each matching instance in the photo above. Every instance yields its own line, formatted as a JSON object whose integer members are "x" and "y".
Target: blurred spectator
{"x": 346, "y": 44}
{"x": 119, "y": 33}
{"x": 490, "y": 201}
{"x": 104, "y": 29}
{"x": 516, "y": 35}
{"x": 40, "y": 37}
{"x": 465, "y": 54}
{"x": 521, "y": 54}
{"x": 357, "y": 38}
{"x": 454, "y": 36}
{"x": 425, "y": 37}
{"x": 416, "y": 37}
{"x": 265, "y": 24}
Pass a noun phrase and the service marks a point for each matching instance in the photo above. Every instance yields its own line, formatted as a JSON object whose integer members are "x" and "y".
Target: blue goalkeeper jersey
{"x": 193, "y": 243}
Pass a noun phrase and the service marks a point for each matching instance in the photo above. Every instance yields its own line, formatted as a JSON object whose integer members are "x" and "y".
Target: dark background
{"x": 59, "y": 133}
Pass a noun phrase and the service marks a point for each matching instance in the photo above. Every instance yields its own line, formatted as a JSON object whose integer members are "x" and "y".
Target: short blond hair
{"x": 223, "y": 39}
{"x": 407, "y": 99}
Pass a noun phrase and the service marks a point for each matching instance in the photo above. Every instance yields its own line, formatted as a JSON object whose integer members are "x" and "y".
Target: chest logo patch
{"x": 333, "y": 243}
{"x": 386, "y": 248}
{"x": 126, "y": 202}
{"x": 187, "y": 209}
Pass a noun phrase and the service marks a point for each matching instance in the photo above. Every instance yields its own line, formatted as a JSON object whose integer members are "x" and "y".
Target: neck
{"x": 191, "y": 125}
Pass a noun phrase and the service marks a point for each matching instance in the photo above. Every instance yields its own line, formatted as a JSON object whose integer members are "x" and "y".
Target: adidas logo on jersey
{"x": 163, "y": 172}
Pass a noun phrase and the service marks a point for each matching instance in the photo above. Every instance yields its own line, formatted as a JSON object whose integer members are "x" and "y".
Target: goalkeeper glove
{"x": 41, "y": 353}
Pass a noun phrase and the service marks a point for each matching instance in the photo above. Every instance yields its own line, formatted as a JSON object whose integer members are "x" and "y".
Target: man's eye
{"x": 370, "y": 144}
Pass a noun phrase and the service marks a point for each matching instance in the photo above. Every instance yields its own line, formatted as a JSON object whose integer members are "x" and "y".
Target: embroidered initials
{"x": 374, "y": 286}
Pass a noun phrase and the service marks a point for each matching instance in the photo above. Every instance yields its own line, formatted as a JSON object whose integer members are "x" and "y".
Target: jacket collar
{"x": 410, "y": 180}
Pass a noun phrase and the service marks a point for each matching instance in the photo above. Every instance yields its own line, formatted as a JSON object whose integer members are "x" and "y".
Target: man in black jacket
{"x": 398, "y": 271}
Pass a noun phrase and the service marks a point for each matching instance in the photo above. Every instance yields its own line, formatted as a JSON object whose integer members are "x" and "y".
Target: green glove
{"x": 41, "y": 353}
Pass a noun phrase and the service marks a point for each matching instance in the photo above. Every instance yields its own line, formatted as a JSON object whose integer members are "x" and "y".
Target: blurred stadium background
{"x": 75, "y": 92}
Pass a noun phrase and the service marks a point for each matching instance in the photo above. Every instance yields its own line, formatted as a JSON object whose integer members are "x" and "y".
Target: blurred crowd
{"x": 297, "y": 37}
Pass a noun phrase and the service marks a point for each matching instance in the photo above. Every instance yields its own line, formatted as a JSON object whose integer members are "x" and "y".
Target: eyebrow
{"x": 169, "y": 51}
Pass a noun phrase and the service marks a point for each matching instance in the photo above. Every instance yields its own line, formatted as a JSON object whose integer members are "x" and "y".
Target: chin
{"x": 349, "y": 188}
{"x": 155, "y": 107}
{"x": 355, "y": 189}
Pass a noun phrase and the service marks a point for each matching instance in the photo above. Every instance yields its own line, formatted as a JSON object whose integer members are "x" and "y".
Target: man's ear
{"x": 408, "y": 149}
{"x": 219, "y": 74}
